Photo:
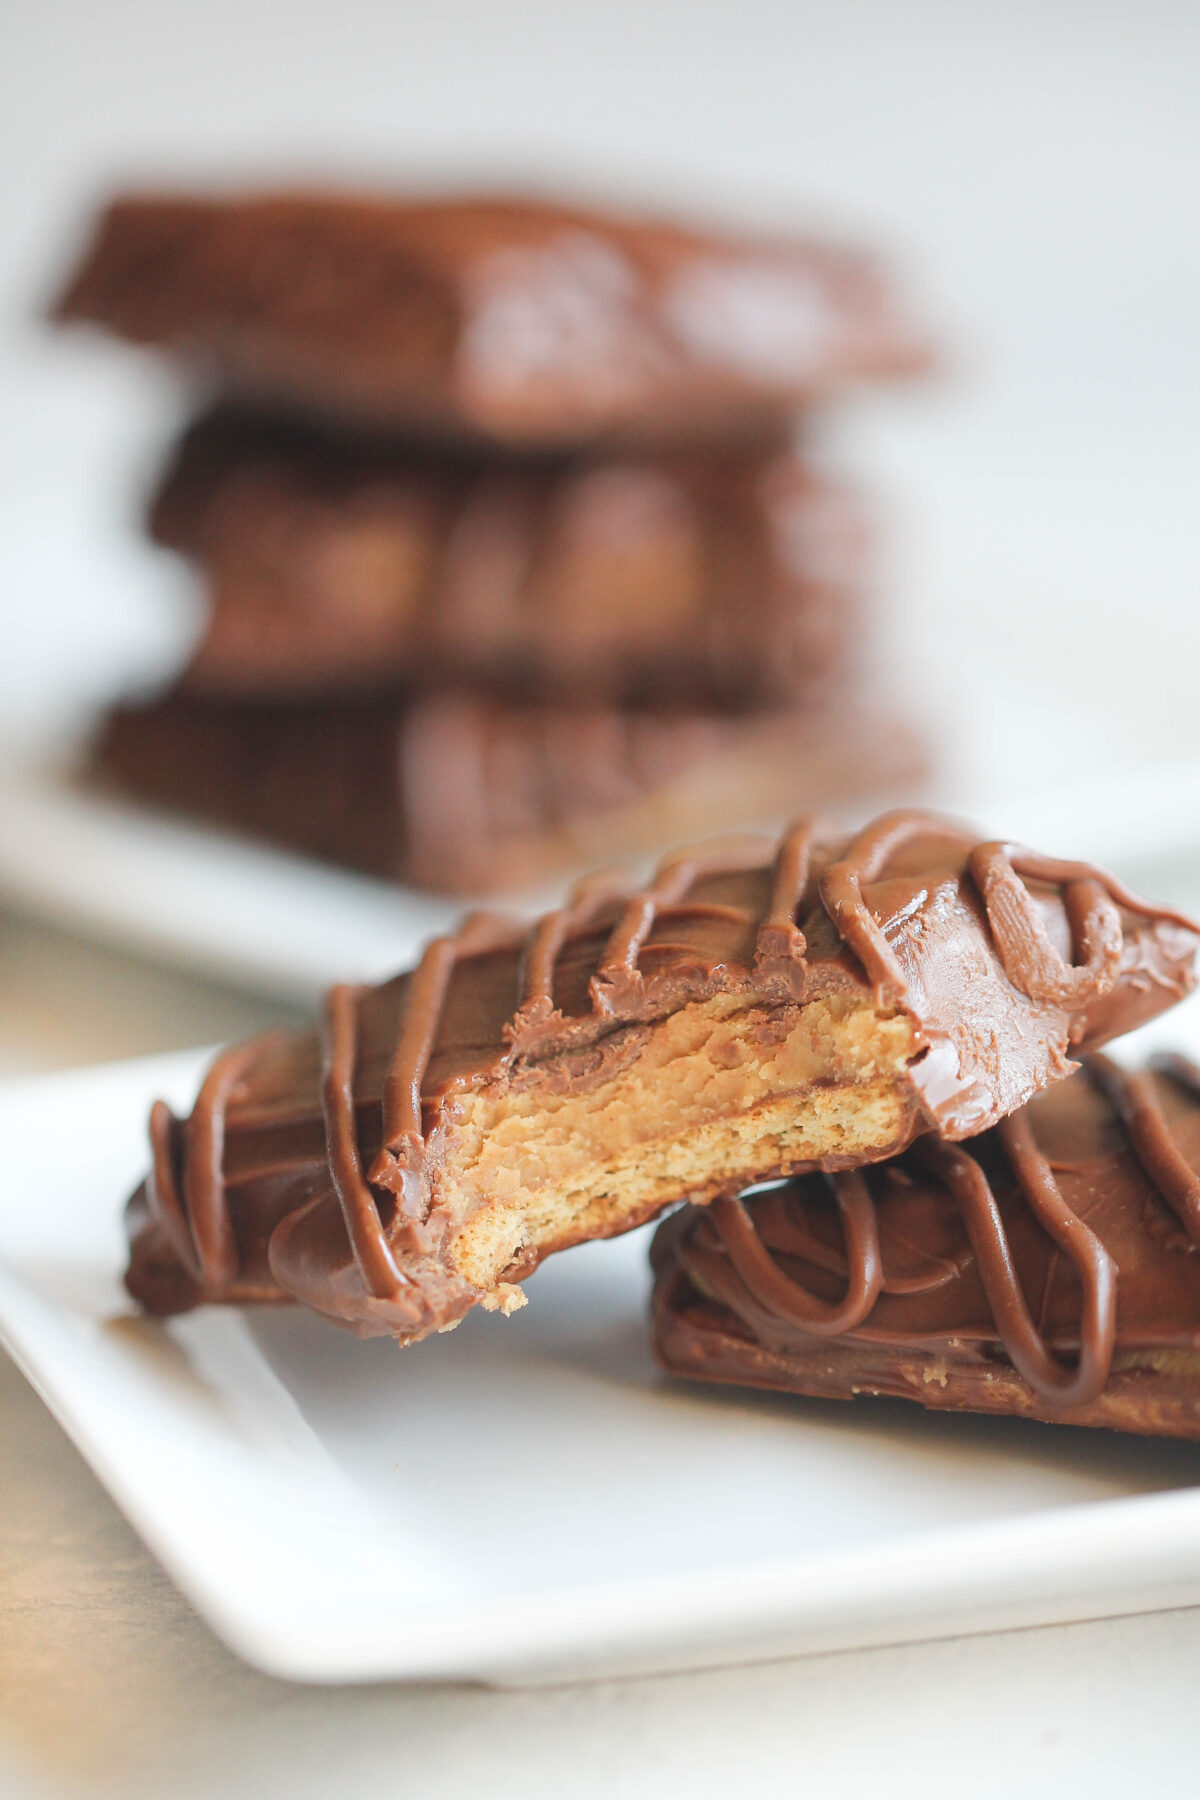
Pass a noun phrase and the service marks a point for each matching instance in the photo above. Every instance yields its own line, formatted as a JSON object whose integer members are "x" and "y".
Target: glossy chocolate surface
{"x": 1047, "y": 1267}
{"x": 520, "y": 321}
{"x": 309, "y": 1166}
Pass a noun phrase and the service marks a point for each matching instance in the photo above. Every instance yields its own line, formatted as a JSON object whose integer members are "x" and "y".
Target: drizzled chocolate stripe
{"x": 618, "y": 973}
{"x": 1056, "y": 1384}
{"x": 862, "y": 862}
{"x": 401, "y": 1156}
{"x": 789, "y": 1235}
{"x": 204, "y": 1153}
{"x": 162, "y": 1191}
{"x": 1091, "y": 897}
{"x": 364, "y": 1226}
{"x": 1134, "y": 1098}
{"x": 666, "y": 894}
{"x": 552, "y": 932}
{"x": 785, "y": 1298}
{"x": 193, "y": 1209}
{"x": 724, "y": 1251}
{"x": 779, "y": 936}
{"x": 424, "y": 999}
{"x": 636, "y": 920}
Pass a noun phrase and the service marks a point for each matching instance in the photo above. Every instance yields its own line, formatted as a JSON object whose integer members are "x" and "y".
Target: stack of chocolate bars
{"x": 849, "y": 1059}
{"x": 509, "y": 557}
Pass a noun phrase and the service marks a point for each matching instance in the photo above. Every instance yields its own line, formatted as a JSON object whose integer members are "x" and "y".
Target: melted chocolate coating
{"x": 1047, "y": 1267}
{"x": 471, "y": 796}
{"x": 522, "y": 322}
{"x": 309, "y": 1168}
{"x": 336, "y": 563}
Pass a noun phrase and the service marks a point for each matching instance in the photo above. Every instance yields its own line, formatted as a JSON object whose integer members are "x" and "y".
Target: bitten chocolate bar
{"x": 522, "y": 322}
{"x": 1048, "y": 1268}
{"x": 338, "y": 563}
{"x": 763, "y": 1006}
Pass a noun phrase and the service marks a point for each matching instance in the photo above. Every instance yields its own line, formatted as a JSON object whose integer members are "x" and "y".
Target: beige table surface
{"x": 110, "y": 1685}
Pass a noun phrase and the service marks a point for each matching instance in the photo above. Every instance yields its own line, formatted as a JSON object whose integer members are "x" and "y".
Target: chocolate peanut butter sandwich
{"x": 334, "y": 562}
{"x": 1049, "y": 1268}
{"x": 518, "y": 321}
{"x": 470, "y": 795}
{"x": 763, "y": 1006}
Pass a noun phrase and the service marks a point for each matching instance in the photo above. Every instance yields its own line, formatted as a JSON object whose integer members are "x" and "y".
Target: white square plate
{"x": 529, "y": 1498}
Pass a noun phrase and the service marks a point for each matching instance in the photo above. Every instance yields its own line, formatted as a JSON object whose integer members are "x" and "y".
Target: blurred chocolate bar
{"x": 335, "y": 562}
{"x": 519, "y": 321}
{"x": 509, "y": 557}
{"x": 469, "y": 794}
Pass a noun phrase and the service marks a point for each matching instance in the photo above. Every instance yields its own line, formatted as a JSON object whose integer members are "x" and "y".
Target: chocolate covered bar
{"x": 1047, "y": 1268}
{"x": 472, "y": 796}
{"x": 763, "y": 1006}
{"x": 341, "y": 563}
{"x": 519, "y": 321}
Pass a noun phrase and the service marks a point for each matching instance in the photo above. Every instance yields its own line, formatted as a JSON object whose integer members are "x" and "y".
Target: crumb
{"x": 505, "y": 1297}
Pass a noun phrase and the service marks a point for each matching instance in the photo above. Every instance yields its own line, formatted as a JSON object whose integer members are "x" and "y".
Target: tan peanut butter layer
{"x": 763, "y": 1006}
{"x": 1047, "y": 1268}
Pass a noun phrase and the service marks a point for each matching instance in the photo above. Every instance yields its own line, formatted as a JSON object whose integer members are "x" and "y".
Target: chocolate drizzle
{"x": 192, "y": 1206}
{"x": 863, "y": 861}
{"x": 786, "y": 1298}
{"x": 779, "y": 936}
{"x": 967, "y": 1182}
{"x": 750, "y": 917}
{"x": 364, "y": 1226}
{"x": 1133, "y": 1097}
{"x": 1091, "y": 897}
{"x": 400, "y": 1163}
{"x": 546, "y": 941}
{"x": 731, "y": 1250}
{"x": 619, "y": 979}
{"x": 403, "y": 1142}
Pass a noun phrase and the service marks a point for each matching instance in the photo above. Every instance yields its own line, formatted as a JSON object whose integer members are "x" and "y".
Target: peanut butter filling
{"x": 714, "y": 1097}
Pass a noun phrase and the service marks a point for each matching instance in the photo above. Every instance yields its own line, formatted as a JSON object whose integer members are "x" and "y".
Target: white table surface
{"x": 110, "y": 1685}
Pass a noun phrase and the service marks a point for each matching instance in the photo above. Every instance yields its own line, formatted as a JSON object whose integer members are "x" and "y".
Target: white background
{"x": 1036, "y": 167}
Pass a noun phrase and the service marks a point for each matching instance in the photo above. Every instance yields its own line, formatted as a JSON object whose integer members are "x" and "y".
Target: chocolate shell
{"x": 1048, "y": 1268}
{"x": 762, "y": 1007}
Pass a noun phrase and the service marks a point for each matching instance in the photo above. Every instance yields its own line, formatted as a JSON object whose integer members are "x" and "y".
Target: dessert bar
{"x": 1047, "y": 1268}
{"x": 761, "y": 1007}
{"x": 472, "y": 795}
{"x": 523, "y": 322}
{"x": 340, "y": 563}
